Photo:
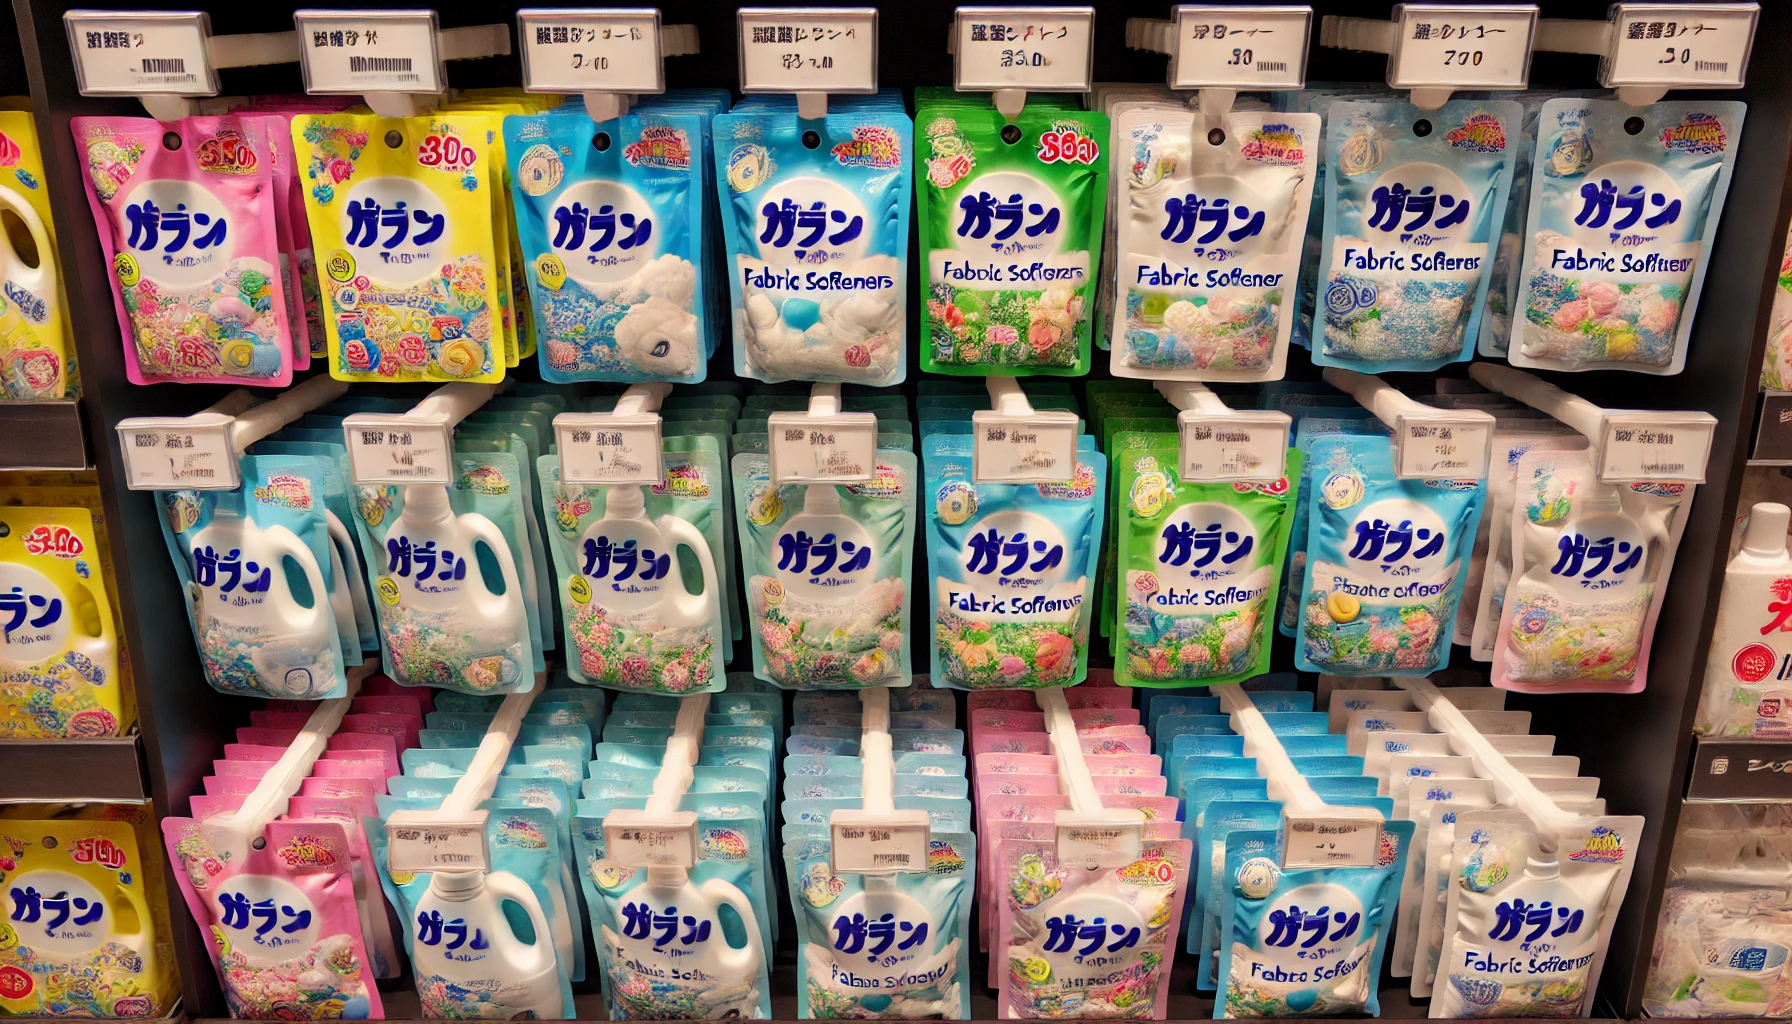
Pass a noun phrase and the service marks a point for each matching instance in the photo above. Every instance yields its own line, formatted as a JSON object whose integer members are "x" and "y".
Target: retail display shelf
{"x": 73, "y": 771}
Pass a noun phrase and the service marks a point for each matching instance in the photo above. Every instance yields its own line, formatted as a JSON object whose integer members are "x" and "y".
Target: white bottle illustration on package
{"x": 1534, "y": 936}
{"x": 1748, "y": 675}
{"x": 444, "y": 623}
{"x": 471, "y": 963}
{"x": 696, "y": 953}
{"x": 30, "y": 321}
{"x": 247, "y": 603}
{"x": 908, "y": 968}
{"x": 94, "y": 919}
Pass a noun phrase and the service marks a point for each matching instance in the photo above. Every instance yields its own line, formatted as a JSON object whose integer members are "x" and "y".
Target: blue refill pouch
{"x": 1328, "y": 764}
{"x": 1165, "y": 704}
{"x": 1341, "y": 789}
{"x": 1387, "y": 557}
{"x": 1014, "y": 571}
{"x": 817, "y": 242}
{"x": 1314, "y": 745}
{"x": 1219, "y": 819}
{"x": 1414, "y": 200}
{"x": 611, "y": 241}
{"x": 1307, "y": 430}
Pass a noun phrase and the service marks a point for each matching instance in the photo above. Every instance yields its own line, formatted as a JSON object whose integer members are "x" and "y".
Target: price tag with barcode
{"x": 808, "y": 49}
{"x": 1462, "y": 46}
{"x": 596, "y": 448}
{"x": 1240, "y": 47}
{"x": 1688, "y": 45}
{"x": 591, "y": 49}
{"x": 1648, "y": 445}
{"x": 1039, "y": 448}
{"x": 138, "y": 53}
{"x": 879, "y": 844}
{"x": 1319, "y": 841}
{"x": 1242, "y": 446}
{"x": 417, "y": 843}
{"x": 178, "y": 453}
{"x": 1443, "y": 446}
{"x": 633, "y": 838}
{"x": 838, "y": 449}
{"x": 1038, "y": 49}
{"x": 356, "y": 52}
{"x": 396, "y": 450}
{"x": 1091, "y": 840}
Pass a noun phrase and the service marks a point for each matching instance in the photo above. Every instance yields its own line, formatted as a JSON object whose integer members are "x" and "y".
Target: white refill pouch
{"x": 1343, "y": 702}
{"x": 1360, "y": 724}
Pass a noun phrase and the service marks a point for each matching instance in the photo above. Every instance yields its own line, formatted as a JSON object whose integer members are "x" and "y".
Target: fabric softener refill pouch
{"x": 1209, "y": 242}
{"x": 186, "y": 221}
{"x": 60, "y": 656}
{"x": 1014, "y": 571}
{"x": 640, "y": 591}
{"x": 1011, "y": 234}
{"x": 1385, "y": 562}
{"x": 1589, "y": 566}
{"x": 828, "y": 572}
{"x": 401, "y": 217}
{"x": 1413, "y": 204}
{"x": 36, "y": 337}
{"x": 817, "y": 243}
{"x": 1200, "y": 565}
{"x": 253, "y": 565}
{"x": 1624, "y": 208}
{"x": 611, "y": 240}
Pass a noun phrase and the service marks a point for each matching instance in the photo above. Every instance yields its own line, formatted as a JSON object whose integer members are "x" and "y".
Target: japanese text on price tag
{"x": 871, "y": 848}
{"x": 1439, "y": 448}
{"x": 1312, "y": 842}
{"x": 1240, "y": 47}
{"x": 1462, "y": 46}
{"x": 599, "y": 449}
{"x": 1039, "y": 49}
{"x": 591, "y": 49}
{"x": 1035, "y": 449}
{"x": 1703, "y": 45}
{"x": 141, "y": 53}
{"x": 437, "y": 846}
{"x": 1664, "y": 446}
{"x": 164, "y": 455}
{"x": 808, "y": 49}
{"x": 822, "y": 449}
{"x": 394, "y": 450}
{"x": 361, "y": 52}
{"x": 1235, "y": 447}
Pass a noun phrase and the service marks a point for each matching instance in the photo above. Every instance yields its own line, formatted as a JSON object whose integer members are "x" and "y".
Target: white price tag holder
{"x": 879, "y": 842}
{"x": 359, "y": 52}
{"x": 598, "y": 448}
{"x": 809, "y": 51}
{"x": 1032, "y": 448}
{"x": 1103, "y": 838}
{"x": 388, "y": 449}
{"x": 641, "y": 839}
{"x": 591, "y": 49}
{"x": 137, "y": 53}
{"x": 1247, "y": 447}
{"x": 1229, "y": 47}
{"x": 1442, "y": 444}
{"x": 1330, "y": 838}
{"x": 1030, "y": 49}
{"x": 179, "y": 453}
{"x": 1638, "y": 445}
{"x": 1681, "y": 46}
{"x": 823, "y": 445}
{"x": 1435, "y": 49}
{"x": 422, "y": 841}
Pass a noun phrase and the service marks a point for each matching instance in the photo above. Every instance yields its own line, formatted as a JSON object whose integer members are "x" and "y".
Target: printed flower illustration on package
{"x": 1209, "y": 242}
{"x": 1776, "y": 365}
{"x": 401, "y": 220}
{"x": 35, "y": 335}
{"x": 186, "y": 222}
{"x": 817, "y": 243}
{"x": 1011, "y": 232}
{"x": 1200, "y": 566}
{"x": 611, "y": 239}
{"x": 59, "y": 662}
{"x": 1413, "y": 205}
{"x": 1624, "y": 205}
{"x": 1014, "y": 571}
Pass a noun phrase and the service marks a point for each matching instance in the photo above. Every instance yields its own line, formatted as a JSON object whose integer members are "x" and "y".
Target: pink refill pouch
{"x": 204, "y": 807}
{"x": 1003, "y": 763}
{"x": 402, "y": 729}
{"x": 1131, "y": 785}
{"x": 991, "y": 742}
{"x": 1125, "y": 764}
{"x": 186, "y": 220}
{"x": 266, "y": 719}
{"x": 372, "y": 771}
{"x": 285, "y": 175}
{"x": 285, "y": 932}
{"x": 384, "y": 686}
{"x": 404, "y": 705}
{"x": 252, "y": 752}
{"x": 384, "y": 760}
{"x": 370, "y": 899}
{"x": 242, "y": 769}
{"x": 269, "y": 737}
{"x": 228, "y": 785}
{"x": 342, "y": 789}
{"x": 364, "y": 741}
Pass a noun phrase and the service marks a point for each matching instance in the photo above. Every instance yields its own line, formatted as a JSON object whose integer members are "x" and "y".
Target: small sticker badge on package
{"x": 60, "y": 656}
{"x": 186, "y": 221}
{"x": 1624, "y": 208}
{"x": 817, "y": 242}
{"x": 1209, "y": 241}
{"x": 1413, "y": 205}
{"x": 1011, "y": 235}
{"x": 401, "y": 219}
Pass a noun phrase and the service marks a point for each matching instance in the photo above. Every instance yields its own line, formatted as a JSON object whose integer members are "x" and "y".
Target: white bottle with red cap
{"x": 1748, "y": 676}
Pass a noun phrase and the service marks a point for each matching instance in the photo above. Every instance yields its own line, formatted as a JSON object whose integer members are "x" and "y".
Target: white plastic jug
{"x": 31, "y": 324}
{"x": 430, "y": 556}
{"x": 241, "y": 596}
{"x": 696, "y": 948}
{"x": 631, "y": 565}
{"x": 462, "y": 938}
{"x": 61, "y": 917}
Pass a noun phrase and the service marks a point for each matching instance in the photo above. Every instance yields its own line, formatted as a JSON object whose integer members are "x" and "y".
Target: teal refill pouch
{"x": 1387, "y": 557}
{"x": 348, "y": 583}
{"x": 1414, "y": 200}
{"x": 1014, "y": 571}
{"x": 1307, "y": 430}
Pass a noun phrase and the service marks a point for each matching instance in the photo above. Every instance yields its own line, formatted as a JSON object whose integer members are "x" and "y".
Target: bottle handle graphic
{"x": 41, "y": 278}
{"x": 500, "y": 608}
{"x": 143, "y": 940}
{"x": 362, "y": 608}
{"x": 680, "y": 607}
{"x": 540, "y": 955}
{"x": 741, "y": 962}
{"x": 312, "y": 621}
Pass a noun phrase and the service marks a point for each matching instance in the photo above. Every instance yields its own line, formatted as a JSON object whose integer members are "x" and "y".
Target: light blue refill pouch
{"x": 504, "y": 432}
{"x": 829, "y": 573}
{"x": 817, "y": 242}
{"x": 1414, "y": 200}
{"x": 1219, "y": 819}
{"x": 1307, "y": 430}
{"x": 1314, "y": 745}
{"x": 348, "y": 580}
{"x": 611, "y": 238}
{"x": 1387, "y": 558}
{"x": 1269, "y": 915}
{"x": 883, "y": 947}
{"x": 255, "y": 568}
{"x": 1014, "y": 568}
{"x": 702, "y": 960}
{"x": 1624, "y": 209}
{"x": 821, "y": 767}
{"x": 1165, "y": 704}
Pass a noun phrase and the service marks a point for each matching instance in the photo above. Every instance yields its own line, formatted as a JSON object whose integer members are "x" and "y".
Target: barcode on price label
{"x": 591, "y": 49}
{"x": 416, "y": 844}
{"x": 1240, "y": 47}
{"x": 1690, "y": 45}
{"x": 171, "y": 454}
{"x": 808, "y": 49}
{"x": 141, "y": 53}
{"x": 863, "y": 847}
{"x": 350, "y": 52}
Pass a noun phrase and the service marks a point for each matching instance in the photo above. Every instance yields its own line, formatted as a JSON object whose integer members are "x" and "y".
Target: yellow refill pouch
{"x": 519, "y": 332}
{"x": 58, "y": 644}
{"x": 35, "y": 344}
{"x": 79, "y": 939}
{"x": 401, "y": 220}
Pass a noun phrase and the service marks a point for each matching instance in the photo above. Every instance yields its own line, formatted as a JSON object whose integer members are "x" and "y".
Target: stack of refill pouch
{"x": 886, "y": 946}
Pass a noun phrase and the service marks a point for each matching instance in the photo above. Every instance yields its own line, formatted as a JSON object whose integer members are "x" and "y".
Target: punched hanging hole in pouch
{"x": 601, "y": 142}
{"x": 812, "y": 139}
{"x": 394, "y": 139}
{"x": 171, "y": 141}
{"x": 1633, "y": 126}
{"x": 1421, "y": 128}
{"x": 1011, "y": 133}
{"x": 1216, "y": 137}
